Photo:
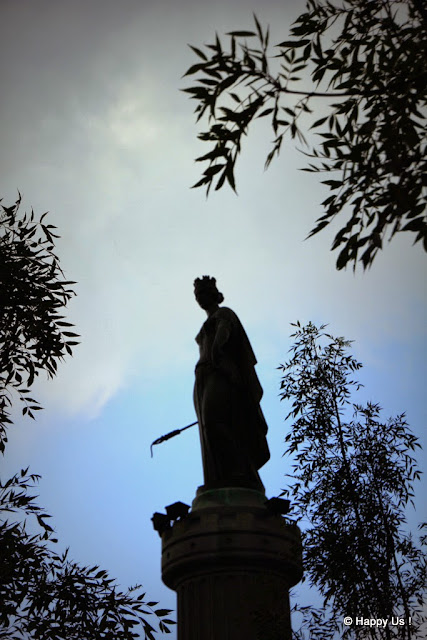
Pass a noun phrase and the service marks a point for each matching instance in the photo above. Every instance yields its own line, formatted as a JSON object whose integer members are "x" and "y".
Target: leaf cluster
{"x": 352, "y": 477}
{"x": 46, "y": 596}
{"x": 33, "y": 292}
{"x": 315, "y": 624}
{"x": 364, "y": 64}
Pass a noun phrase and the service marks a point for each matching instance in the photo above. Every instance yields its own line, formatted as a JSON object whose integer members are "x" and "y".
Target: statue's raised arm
{"x": 227, "y": 394}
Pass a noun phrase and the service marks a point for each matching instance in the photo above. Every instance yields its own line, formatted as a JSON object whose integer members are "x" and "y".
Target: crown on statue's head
{"x": 206, "y": 282}
{"x": 208, "y": 285}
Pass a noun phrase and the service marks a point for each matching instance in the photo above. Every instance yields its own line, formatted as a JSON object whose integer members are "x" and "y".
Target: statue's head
{"x": 206, "y": 292}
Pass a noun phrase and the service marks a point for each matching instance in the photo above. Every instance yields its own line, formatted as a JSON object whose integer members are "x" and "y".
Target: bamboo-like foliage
{"x": 361, "y": 66}
{"x": 43, "y": 594}
{"x": 352, "y": 478}
{"x": 33, "y": 292}
{"x": 46, "y": 596}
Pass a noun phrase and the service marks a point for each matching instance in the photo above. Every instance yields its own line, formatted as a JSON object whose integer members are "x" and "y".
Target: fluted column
{"x": 232, "y": 563}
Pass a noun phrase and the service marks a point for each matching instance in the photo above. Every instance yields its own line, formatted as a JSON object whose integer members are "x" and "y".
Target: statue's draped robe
{"x": 226, "y": 398}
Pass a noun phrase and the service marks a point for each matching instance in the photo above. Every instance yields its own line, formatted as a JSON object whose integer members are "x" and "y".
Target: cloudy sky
{"x": 95, "y": 130}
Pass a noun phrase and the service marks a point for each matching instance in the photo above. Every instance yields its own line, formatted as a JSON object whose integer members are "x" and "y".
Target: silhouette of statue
{"x": 227, "y": 394}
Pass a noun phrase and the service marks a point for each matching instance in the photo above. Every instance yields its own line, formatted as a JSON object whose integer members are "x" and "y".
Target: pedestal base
{"x": 232, "y": 563}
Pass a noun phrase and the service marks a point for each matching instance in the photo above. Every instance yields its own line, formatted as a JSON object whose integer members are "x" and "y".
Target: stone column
{"x": 232, "y": 562}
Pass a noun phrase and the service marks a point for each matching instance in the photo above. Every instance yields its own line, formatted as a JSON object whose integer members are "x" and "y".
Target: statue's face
{"x": 206, "y": 298}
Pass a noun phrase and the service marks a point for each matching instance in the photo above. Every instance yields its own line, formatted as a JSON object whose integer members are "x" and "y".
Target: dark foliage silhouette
{"x": 44, "y": 595}
{"x": 352, "y": 72}
{"x": 352, "y": 477}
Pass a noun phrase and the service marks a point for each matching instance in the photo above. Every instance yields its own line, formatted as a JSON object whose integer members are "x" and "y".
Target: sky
{"x": 95, "y": 130}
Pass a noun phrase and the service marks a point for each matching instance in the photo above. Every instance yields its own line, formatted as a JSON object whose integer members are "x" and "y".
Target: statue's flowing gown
{"x": 226, "y": 398}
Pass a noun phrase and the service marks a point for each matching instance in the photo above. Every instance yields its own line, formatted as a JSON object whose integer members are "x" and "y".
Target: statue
{"x": 227, "y": 394}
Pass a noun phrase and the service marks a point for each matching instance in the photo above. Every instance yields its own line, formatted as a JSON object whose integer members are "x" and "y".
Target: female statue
{"x": 227, "y": 394}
